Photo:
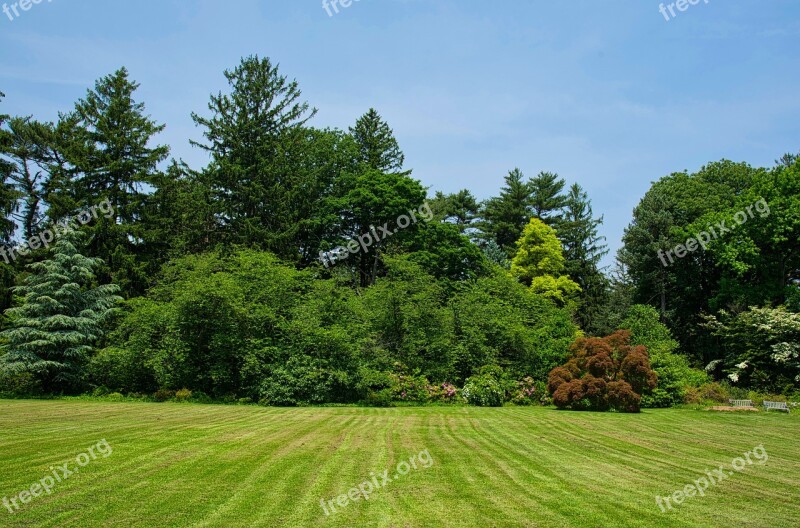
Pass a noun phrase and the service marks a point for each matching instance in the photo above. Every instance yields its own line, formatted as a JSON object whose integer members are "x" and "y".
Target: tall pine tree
{"x": 505, "y": 216}
{"x": 111, "y": 158}
{"x": 254, "y": 136}
{"x": 377, "y": 147}
{"x": 547, "y": 198}
{"x": 583, "y": 249}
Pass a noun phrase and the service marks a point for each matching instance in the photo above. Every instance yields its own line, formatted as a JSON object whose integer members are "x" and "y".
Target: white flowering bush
{"x": 762, "y": 348}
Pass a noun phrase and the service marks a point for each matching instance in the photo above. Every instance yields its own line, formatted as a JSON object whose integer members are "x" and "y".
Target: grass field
{"x": 198, "y": 465}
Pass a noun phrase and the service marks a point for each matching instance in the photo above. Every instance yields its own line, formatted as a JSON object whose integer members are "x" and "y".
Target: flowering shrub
{"x": 527, "y": 392}
{"x": 603, "y": 374}
{"x": 446, "y": 392}
{"x": 763, "y": 348}
{"x": 410, "y": 388}
{"x": 484, "y": 390}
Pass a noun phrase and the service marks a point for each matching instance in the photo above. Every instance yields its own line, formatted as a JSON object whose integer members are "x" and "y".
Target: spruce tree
{"x": 377, "y": 146}
{"x": 61, "y": 317}
{"x": 583, "y": 249}
{"x": 547, "y": 199}
{"x": 111, "y": 157}
{"x": 255, "y": 138}
{"x": 505, "y": 216}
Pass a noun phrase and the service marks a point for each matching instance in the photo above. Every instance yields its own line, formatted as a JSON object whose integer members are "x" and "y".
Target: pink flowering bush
{"x": 446, "y": 393}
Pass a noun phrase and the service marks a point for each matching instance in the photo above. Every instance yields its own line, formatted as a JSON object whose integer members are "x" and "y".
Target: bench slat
{"x": 779, "y": 406}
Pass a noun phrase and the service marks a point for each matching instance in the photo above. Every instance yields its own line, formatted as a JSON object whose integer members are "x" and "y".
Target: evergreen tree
{"x": 8, "y": 201}
{"x": 61, "y": 316}
{"x": 460, "y": 208}
{"x": 496, "y": 255}
{"x": 619, "y": 297}
{"x": 111, "y": 158}
{"x": 8, "y": 195}
{"x": 547, "y": 198}
{"x": 505, "y": 216}
{"x": 254, "y": 136}
{"x": 583, "y": 249}
{"x": 29, "y": 152}
{"x": 377, "y": 146}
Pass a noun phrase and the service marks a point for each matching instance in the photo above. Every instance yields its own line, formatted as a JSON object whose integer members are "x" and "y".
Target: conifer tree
{"x": 61, "y": 317}
{"x": 8, "y": 201}
{"x": 583, "y": 249}
{"x": 540, "y": 263}
{"x": 111, "y": 158}
{"x": 505, "y": 216}
{"x": 547, "y": 199}
{"x": 255, "y": 138}
{"x": 377, "y": 146}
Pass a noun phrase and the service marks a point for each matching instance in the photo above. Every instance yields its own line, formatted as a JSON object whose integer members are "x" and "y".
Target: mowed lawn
{"x": 230, "y": 466}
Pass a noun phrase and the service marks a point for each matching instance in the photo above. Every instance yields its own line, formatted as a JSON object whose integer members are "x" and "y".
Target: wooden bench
{"x": 741, "y": 403}
{"x": 778, "y": 406}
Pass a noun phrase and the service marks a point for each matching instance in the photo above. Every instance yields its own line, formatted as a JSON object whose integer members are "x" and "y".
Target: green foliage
{"x": 752, "y": 261}
{"x": 247, "y": 325}
{"x": 13, "y": 384}
{"x": 763, "y": 348}
{"x": 675, "y": 374}
{"x": 60, "y": 319}
{"x": 183, "y": 395}
{"x": 109, "y": 156}
{"x": 547, "y": 199}
{"x": 377, "y": 147}
{"x": 583, "y": 250}
{"x": 446, "y": 254}
{"x": 484, "y": 390}
{"x": 498, "y": 321}
{"x": 505, "y": 216}
{"x": 162, "y": 395}
{"x": 254, "y": 136}
{"x": 539, "y": 262}
{"x": 460, "y": 209}
{"x": 528, "y": 392}
{"x": 495, "y": 254}
{"x": 121, "y": 368}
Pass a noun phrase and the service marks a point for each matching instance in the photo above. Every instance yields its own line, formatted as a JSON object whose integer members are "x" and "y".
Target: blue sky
{"x": 608, "y": 94}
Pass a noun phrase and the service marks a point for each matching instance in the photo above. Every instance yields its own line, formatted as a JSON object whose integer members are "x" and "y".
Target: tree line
{"x": 209, "y": 279}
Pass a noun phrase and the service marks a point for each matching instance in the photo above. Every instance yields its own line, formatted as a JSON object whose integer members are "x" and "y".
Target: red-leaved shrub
{"x": 603, "y": 374}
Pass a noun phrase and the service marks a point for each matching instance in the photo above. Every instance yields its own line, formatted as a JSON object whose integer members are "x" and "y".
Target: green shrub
{"x": 380, "y": 398}
{"x": 183, "y": 395}
{"x": 302, "y": 381}
{"x": 100, "y": 391}
{"x": 691, "y": 396}
{"x": 409, "y": 387}
{"x": 115, "y": 396}
{"x": 201, "y": 397}
{"x": 673, "y": 370}
{"x": 484, "y": 391}
{"x": 715, "y": 392}
{"x": 162, "y": 395}
{"x": 20, "y": 384}
{"x": 121, "y": 370}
